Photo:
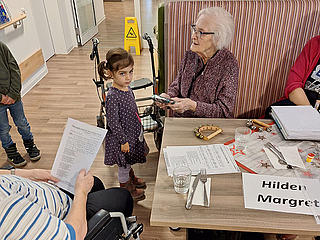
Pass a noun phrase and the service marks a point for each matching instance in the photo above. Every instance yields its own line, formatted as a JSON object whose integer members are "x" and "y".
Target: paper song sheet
{"x": 216, "y": 158}
{"x": 78, "y": 148}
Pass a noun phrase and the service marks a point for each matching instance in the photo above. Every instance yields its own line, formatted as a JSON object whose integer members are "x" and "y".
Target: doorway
{"x": 85, "y": 20}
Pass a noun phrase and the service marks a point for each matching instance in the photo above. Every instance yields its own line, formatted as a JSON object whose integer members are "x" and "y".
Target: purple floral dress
{"x": 123, "y": 124}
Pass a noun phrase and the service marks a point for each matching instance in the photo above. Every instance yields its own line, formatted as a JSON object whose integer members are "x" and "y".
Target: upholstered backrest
{"x": 269, "y": 35}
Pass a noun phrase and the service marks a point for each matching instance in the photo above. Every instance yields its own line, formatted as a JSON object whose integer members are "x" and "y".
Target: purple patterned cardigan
{"x": 214, "y": 90}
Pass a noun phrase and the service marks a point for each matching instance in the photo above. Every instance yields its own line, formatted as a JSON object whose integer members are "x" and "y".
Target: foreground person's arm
{"x": 77, "y": 215}
{"x": 32, "y": 174}
{"x": 298, "y": 97}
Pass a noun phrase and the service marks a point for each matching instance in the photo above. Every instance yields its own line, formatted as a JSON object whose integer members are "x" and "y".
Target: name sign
{"x": 281, "y": 194}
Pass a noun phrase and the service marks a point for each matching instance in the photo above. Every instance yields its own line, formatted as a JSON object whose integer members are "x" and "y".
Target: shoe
{"x": 137, "y": 194}
{"x": 33, "y": 151}
{"x": 138, "y": 182}
{"x": 14, "y": 156}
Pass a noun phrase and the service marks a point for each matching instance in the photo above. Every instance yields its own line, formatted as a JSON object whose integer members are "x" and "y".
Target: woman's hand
{"x": 183, "y": 104}
{"x": 125, "y": 147}
{"x": 84, "y": 183}
{"x": 37, "y": 175}
{"x": 163, "y": 105}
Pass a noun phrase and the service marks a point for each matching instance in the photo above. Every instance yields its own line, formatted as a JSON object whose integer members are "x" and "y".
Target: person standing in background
{"x": 10, "y": 99}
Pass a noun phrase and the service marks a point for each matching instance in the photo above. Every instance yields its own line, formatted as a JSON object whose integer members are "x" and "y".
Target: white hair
{"x": 222, "y": 24}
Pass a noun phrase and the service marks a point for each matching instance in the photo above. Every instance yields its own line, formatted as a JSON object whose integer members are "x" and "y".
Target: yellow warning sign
{"x": 132, "y": 36}
{"x": 131, "y": 33}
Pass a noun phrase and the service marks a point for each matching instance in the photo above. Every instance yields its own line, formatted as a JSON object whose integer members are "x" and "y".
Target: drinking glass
{"x": 242, "y": 135}
{"x": 181, "y": 179}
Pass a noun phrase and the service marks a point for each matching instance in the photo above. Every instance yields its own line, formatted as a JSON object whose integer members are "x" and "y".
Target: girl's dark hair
{"x": 116, "y": 59}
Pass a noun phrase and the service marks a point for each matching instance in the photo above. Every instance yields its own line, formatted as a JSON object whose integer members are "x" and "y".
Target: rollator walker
{"x": 150, "y": 114}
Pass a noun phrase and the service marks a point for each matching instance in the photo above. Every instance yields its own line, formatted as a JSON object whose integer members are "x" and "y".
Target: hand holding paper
{"x": 78, "y": 148}
{"x": 84, "y": 182}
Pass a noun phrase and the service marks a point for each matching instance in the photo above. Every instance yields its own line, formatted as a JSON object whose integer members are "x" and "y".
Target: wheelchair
{"x": 106, "y": 225}
{"x": 151, "y": 115}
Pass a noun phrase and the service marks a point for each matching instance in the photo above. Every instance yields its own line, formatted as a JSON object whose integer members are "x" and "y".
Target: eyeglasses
{"x": 198, "y": 33}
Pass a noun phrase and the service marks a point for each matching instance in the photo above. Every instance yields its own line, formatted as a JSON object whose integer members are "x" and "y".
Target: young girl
{"x": 124, "y": 143}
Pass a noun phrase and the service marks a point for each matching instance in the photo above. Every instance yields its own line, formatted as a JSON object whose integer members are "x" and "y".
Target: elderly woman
{"x": 207, "y": 82}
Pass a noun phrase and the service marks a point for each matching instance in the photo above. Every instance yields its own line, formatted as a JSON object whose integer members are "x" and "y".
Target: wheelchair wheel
{"x": 157, "y": 135}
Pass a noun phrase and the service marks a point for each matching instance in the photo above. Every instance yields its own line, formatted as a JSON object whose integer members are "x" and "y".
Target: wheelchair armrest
{"x": 97, "y": 222}
{"x": 111, "y": 225}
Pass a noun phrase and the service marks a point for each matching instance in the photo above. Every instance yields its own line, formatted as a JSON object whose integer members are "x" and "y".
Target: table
{"x": 226, "y": 210}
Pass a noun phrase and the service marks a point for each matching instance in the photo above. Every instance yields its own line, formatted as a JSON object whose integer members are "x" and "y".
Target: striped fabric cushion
{"x": 269, "y": 35}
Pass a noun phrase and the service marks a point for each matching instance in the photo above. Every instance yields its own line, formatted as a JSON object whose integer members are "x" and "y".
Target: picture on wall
{"x": 4, "y": 13}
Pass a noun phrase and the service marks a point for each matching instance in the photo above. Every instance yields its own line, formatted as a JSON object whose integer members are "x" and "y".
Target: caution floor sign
{"x": 132, "y": 36}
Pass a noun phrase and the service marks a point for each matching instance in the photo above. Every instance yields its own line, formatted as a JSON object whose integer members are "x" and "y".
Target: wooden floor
{"x": 68, "y": 91}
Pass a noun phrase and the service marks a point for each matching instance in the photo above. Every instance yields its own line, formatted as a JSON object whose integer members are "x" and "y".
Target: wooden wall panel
{"x": 31, "y": 64}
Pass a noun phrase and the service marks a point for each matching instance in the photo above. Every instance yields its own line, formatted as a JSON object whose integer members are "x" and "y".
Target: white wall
{"x": 42, "y": 26}
{"x": 69, "y": 33}
{"x": 23, "y": 40}
{"x": 99, "y": 10}
{"x": 60, "y": 18}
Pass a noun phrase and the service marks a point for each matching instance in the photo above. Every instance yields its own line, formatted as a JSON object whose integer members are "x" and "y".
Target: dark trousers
{"x": 112, "y": 199}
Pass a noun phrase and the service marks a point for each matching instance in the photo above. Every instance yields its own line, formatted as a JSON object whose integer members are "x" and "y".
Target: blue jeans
{"x": 19, "y": 119}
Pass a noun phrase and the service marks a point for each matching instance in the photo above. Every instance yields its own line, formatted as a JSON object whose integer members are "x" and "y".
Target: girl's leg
{"x": 123, "y": 173}
{"x": 138, "y": 182}
{"x": 125, "y": 182}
